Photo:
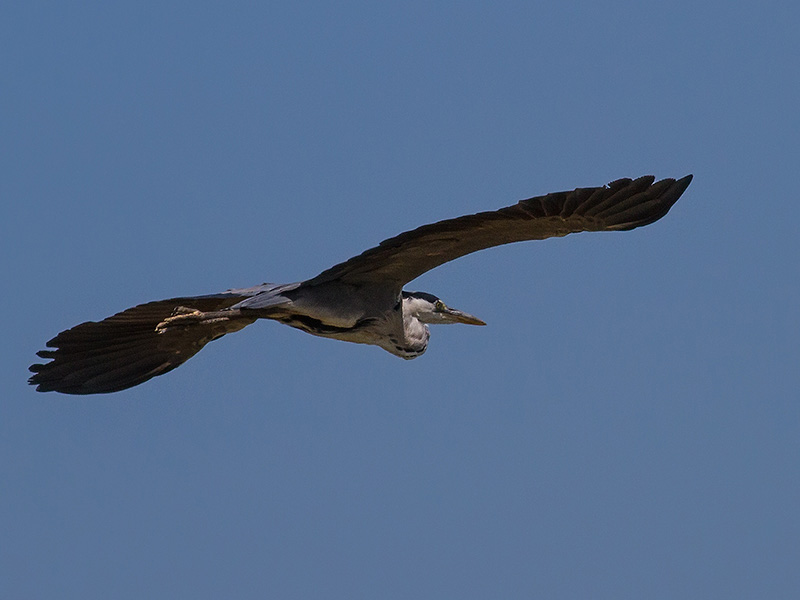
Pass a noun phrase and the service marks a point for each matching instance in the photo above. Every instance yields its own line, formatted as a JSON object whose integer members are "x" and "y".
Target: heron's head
{"x": 429, "y": 309}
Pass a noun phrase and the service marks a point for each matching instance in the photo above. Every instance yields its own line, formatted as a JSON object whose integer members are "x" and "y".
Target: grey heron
{"x": 360, "y": 300}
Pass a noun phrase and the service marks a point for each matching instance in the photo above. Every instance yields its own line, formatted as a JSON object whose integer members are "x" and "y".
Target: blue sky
{"x": 628, "y": 424}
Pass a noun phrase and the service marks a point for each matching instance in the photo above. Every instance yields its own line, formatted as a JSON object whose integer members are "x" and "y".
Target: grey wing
{"x": 621, "y": 205}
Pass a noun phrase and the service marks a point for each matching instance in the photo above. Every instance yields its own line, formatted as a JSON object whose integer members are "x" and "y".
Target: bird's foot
{"x": 180, "y": 316}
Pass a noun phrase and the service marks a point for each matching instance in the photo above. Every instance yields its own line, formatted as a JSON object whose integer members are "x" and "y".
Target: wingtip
{"x": 677, "y": 188}
{"x": 685, "y": 181}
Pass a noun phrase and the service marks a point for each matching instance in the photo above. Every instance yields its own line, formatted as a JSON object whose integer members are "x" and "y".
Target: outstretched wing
{"x": 621, "y": 205}
{"x": 127, "y": 349}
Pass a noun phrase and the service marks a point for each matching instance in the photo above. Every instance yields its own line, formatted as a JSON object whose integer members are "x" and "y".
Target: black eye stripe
{"x": 423, "y": 295}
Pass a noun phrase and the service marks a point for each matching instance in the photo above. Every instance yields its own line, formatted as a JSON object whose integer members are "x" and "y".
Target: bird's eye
{"x": 439, "y": 305}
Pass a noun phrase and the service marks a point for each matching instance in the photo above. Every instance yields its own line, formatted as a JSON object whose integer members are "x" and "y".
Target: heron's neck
{"x": 416, "y": 334}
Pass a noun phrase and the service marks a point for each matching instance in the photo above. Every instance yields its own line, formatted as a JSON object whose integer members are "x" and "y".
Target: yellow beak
{"x": 462, "y": 317}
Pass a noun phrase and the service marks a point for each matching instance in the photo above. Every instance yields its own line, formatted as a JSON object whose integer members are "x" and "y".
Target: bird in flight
{"x": 360, "y": 300}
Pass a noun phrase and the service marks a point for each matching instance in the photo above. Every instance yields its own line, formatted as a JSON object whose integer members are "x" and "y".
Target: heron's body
{"x": 360, "y": 300}
{"x": 376, "y": 317}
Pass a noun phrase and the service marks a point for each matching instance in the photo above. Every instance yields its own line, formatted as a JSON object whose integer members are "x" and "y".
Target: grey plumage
{"x": 360, "y": 300}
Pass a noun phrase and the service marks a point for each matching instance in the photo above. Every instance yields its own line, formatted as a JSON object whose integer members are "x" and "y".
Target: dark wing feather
{"x": 126, "y": 349}
{"x": 621, "y": 205}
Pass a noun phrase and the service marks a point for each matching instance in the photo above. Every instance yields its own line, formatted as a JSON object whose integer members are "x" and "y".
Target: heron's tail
{"x": 135, "y": 345}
